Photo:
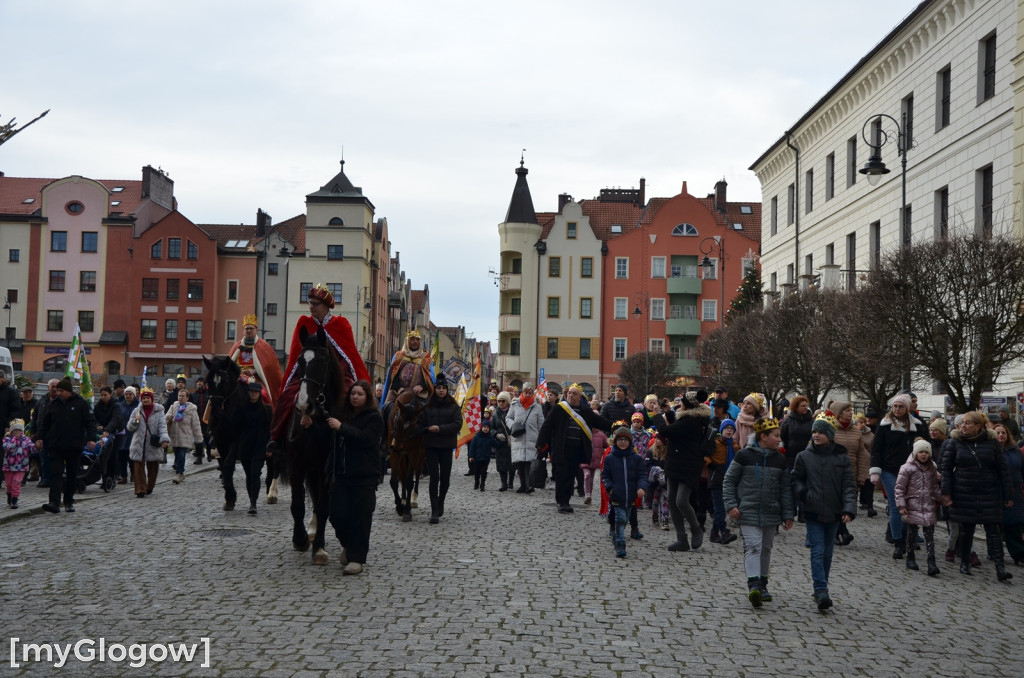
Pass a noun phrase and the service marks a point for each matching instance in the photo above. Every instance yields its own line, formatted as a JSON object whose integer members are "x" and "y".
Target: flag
{"x": 78, "y": 365}
{"x": 471, "y": 411}
{"x": 460, "y": 391}
{"x": 143, "y": 376}
{"x": 542, "y": 386}
{"x": 435, "y": 353}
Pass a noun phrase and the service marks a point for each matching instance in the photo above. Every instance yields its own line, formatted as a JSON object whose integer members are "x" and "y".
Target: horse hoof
{"x": 271, "y": 500}
{"x": 320, "y": 557}
{"x": 414, "y": 504}
{"x": 407, "y": 518}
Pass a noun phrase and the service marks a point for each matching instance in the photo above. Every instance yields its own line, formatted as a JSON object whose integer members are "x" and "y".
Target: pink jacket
{"x": 600, "y": 441}
{"x": 918, "y": 488}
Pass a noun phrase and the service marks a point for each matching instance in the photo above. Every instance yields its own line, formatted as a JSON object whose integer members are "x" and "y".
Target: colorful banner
{"x": 78, "y": 365}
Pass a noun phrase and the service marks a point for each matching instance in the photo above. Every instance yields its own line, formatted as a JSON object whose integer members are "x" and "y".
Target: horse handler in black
{"x": 442, "y": 421}
{"x": 67, "y": 426}
{"x": 252, "y": 421}
{"x": 356, "y": 438}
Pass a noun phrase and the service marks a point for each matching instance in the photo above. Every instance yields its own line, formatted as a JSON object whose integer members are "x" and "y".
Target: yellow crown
{"x": 576, "y": 386}
{"x": 413, "y": 333}
{"x": 250, "y": 319}
{"x": 765, "y": 424}
{"x": 829, "y": 419}
{"x": 17, "y": 423}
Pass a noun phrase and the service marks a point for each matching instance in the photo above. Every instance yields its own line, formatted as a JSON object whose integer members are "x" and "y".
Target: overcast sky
{"x": 248, "y": 104}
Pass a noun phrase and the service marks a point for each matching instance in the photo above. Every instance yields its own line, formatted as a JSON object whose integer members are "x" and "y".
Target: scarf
{"x": 746, "y": 419}
{"x": 180, "y": 414}
{"x": 527, "y": 403}
{"x": 730, "y": 451}
{"x": 148, "y": 409}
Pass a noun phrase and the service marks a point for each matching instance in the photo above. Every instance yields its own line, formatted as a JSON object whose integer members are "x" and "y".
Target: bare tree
{"x": 957, "y": 304}
{"x": 872, "y": 357}
{"x": 807, "y": 331}
{"x": 742, "y": 355}
{"x": 8, "y": 129}
{"x": 649, "y": 370}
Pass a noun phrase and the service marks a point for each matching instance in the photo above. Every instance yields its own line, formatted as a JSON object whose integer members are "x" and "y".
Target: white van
{"x": 6, "y": 365}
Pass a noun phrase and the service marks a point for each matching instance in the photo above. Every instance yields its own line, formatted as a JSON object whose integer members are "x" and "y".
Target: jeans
{"x": 757, "y": 549}
{"x": 622, "y": 516}
{"x": 179, "y": 459}
{"x": 895, "y": 520}
{"x": 822, "y": 538}
{"x": 718, "y": 524}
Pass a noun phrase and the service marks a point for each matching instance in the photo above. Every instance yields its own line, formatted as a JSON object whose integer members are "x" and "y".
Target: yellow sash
{"x": 577, "y": 418}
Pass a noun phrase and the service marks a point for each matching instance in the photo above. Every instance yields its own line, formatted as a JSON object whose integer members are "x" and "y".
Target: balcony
{"x": 684, "y": 285}
{"x": 509, "y": 363}
{"x": 511, "y": 282}
{"x": 507, "y": 322}
{"x": 682, "y": 327}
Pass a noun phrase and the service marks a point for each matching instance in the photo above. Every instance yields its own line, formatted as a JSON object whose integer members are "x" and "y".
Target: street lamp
{"x": 875, "y": 168}
{"x": 7, "y": 330}
{"x": 641, "y": 298}
{"x": 707, "y": 246}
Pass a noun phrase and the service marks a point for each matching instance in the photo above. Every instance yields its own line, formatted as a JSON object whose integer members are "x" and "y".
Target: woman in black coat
{"x": 356, "y": 470}
{"x": 442, "y": 419}
{"x": 684, "y": 461}
{"x": 976, "y": 487}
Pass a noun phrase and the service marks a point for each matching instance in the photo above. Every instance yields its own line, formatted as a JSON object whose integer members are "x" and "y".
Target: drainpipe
{"x": 796, "y": 211}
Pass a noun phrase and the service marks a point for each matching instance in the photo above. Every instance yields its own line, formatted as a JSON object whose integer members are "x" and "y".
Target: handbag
{"x": 154, "y": 439}
{"x": 538, "y": 473}
{"x": 518, "y": 429}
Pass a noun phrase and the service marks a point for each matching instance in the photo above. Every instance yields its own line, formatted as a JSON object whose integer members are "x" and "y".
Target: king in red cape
{"x": 339, "y": 336}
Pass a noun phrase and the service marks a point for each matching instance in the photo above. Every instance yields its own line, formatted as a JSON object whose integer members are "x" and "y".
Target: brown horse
{"x": 405, "y": 449}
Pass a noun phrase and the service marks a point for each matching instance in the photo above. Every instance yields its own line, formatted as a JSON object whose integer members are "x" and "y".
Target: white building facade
{"x": 945, "y": 75}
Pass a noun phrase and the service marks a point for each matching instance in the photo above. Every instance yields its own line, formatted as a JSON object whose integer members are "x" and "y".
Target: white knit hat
{"x": 922, "y": 446}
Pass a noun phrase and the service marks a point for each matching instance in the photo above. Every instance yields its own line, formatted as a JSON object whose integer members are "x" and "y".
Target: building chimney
{"x": 643, "y": 191}
{"x": 158, "y": 187}
{"x": 262, "y": 223}
{"x": 563, "y": 200}
{"x": 720, "y": 195}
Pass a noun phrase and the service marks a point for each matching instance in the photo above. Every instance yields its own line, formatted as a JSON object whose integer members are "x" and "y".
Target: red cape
{"x": 268, "y": 370}
{"x": 339, "y": 335}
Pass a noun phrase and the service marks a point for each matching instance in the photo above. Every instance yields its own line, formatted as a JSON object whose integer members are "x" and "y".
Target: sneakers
{"x": 754, "y": 594}
{"x": 822, "y": 600}
{"x": 765, "y": 596}
{"x": 715, "y": 537}
{"x": 69, "y": 508}
{"x": 252, "y": 509}
{"x": 586, "y": 499}
{"x": 352, "y": 568}
{"x": 728, "y": 537}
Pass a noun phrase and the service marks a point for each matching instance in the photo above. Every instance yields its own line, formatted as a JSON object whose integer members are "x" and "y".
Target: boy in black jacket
{"x": 623, "y": 477}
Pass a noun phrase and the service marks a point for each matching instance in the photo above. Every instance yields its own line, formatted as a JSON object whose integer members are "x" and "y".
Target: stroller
{"x": 93, "y": 466}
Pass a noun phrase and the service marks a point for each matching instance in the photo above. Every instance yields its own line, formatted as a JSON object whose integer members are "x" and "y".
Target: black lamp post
{"x": 7, "y": 330}
{"x": 707, "y": 246}
{"x": 875, "y": 168}
{"x": 641, "y": 299}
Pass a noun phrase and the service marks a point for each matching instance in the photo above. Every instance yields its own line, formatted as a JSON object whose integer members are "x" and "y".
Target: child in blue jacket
{"x": 481, "y": 447}
{"x": 624, "y": 478}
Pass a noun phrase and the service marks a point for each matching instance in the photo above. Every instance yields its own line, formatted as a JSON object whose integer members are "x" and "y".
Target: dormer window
{"x": 616, "y": 228}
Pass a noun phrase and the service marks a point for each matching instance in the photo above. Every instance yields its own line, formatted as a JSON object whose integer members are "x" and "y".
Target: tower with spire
{"x": 522, "y": 250}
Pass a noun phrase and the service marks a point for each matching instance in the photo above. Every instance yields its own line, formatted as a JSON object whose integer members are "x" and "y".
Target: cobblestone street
{"x": 504, "y": 585}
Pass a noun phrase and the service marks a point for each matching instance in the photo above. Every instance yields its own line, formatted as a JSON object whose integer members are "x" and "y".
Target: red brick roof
{"x": 225, "y": 233}
{"x": 732, "y": 215}
{"x": 15, "y": 190}
{"x": 294, "y": 231}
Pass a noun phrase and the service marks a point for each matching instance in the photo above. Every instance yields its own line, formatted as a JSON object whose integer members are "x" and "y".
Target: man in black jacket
{"x": 37, "y": 423}
{"x": 67, "y": 426}
{"x": 10, "y": 403}
{"x": 566, "y": 436}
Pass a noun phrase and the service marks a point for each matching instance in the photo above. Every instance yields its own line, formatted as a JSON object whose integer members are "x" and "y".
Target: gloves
{"x": 874, "y": 473}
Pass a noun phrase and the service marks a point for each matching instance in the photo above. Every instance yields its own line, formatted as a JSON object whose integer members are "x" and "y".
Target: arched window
{"x": 55, "y": 364}
{"x": 112, "y": 367}
{"x": 336, "y": 221}
{"x": 685, "y": 229}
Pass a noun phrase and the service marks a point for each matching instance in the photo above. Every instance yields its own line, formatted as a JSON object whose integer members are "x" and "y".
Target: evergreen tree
{"x": 748, "y": 296}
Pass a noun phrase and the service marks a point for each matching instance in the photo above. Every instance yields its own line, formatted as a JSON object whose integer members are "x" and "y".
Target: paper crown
{"x": 758, "y": 398}
{"x": 146, "y": 391}
{"x": 829, "y": 419}
{"x": 250, "y": 319}
{"x": 181, "y": 377}
{"x": 575, "y": 386}
{"x": 765, "y": 424}
{"x": 17, "y": 423}
{"x": 322, "y": 294}
{"x": 637, "y": 417}
{"x": 413, "y": 333}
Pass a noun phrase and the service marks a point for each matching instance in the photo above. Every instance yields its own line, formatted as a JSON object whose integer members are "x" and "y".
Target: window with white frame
{"x": 621, "y": 267}
{"x": 657, "y": 267}
{"x": 620, "y": 308}
{"x": 711, "y": 274}
{"x": 619, "y": 344}
{"x": 690, "y": 312}
{"x": 658, "y": 345}
{"x": 709, "y": 308}
{"x": 230, "y": 330}
{"x": 675, "y": 311}
{"x": 674, "y": 352}
{"x": 657, "y": 309}
{"x": 691, "y": 271}
{"x": 685, "y": 229}
{"x": 677, "y": 271}
{"x": 690, "y": 353}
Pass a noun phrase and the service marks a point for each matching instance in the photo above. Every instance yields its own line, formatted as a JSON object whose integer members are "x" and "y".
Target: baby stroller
{"x": 93, "y": 466}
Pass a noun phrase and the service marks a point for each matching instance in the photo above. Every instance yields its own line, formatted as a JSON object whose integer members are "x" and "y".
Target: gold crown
{"x": 17, "y": 423}
{"x": 145, "y": 390}
{"x": 829, "y": 419}
{"x": 576, "y": 386}
{"x": 250, "y": 319}
{"x": 765, "y": 424}
{"x": 413, "y": 333}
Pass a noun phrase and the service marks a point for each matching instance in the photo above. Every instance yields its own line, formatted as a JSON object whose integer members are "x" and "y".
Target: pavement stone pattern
{"x": 504, "y": 585}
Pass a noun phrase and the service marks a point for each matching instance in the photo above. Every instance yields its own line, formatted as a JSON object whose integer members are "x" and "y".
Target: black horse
{"x": 227, "y": 394}
{"x": 304, "y": 464}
